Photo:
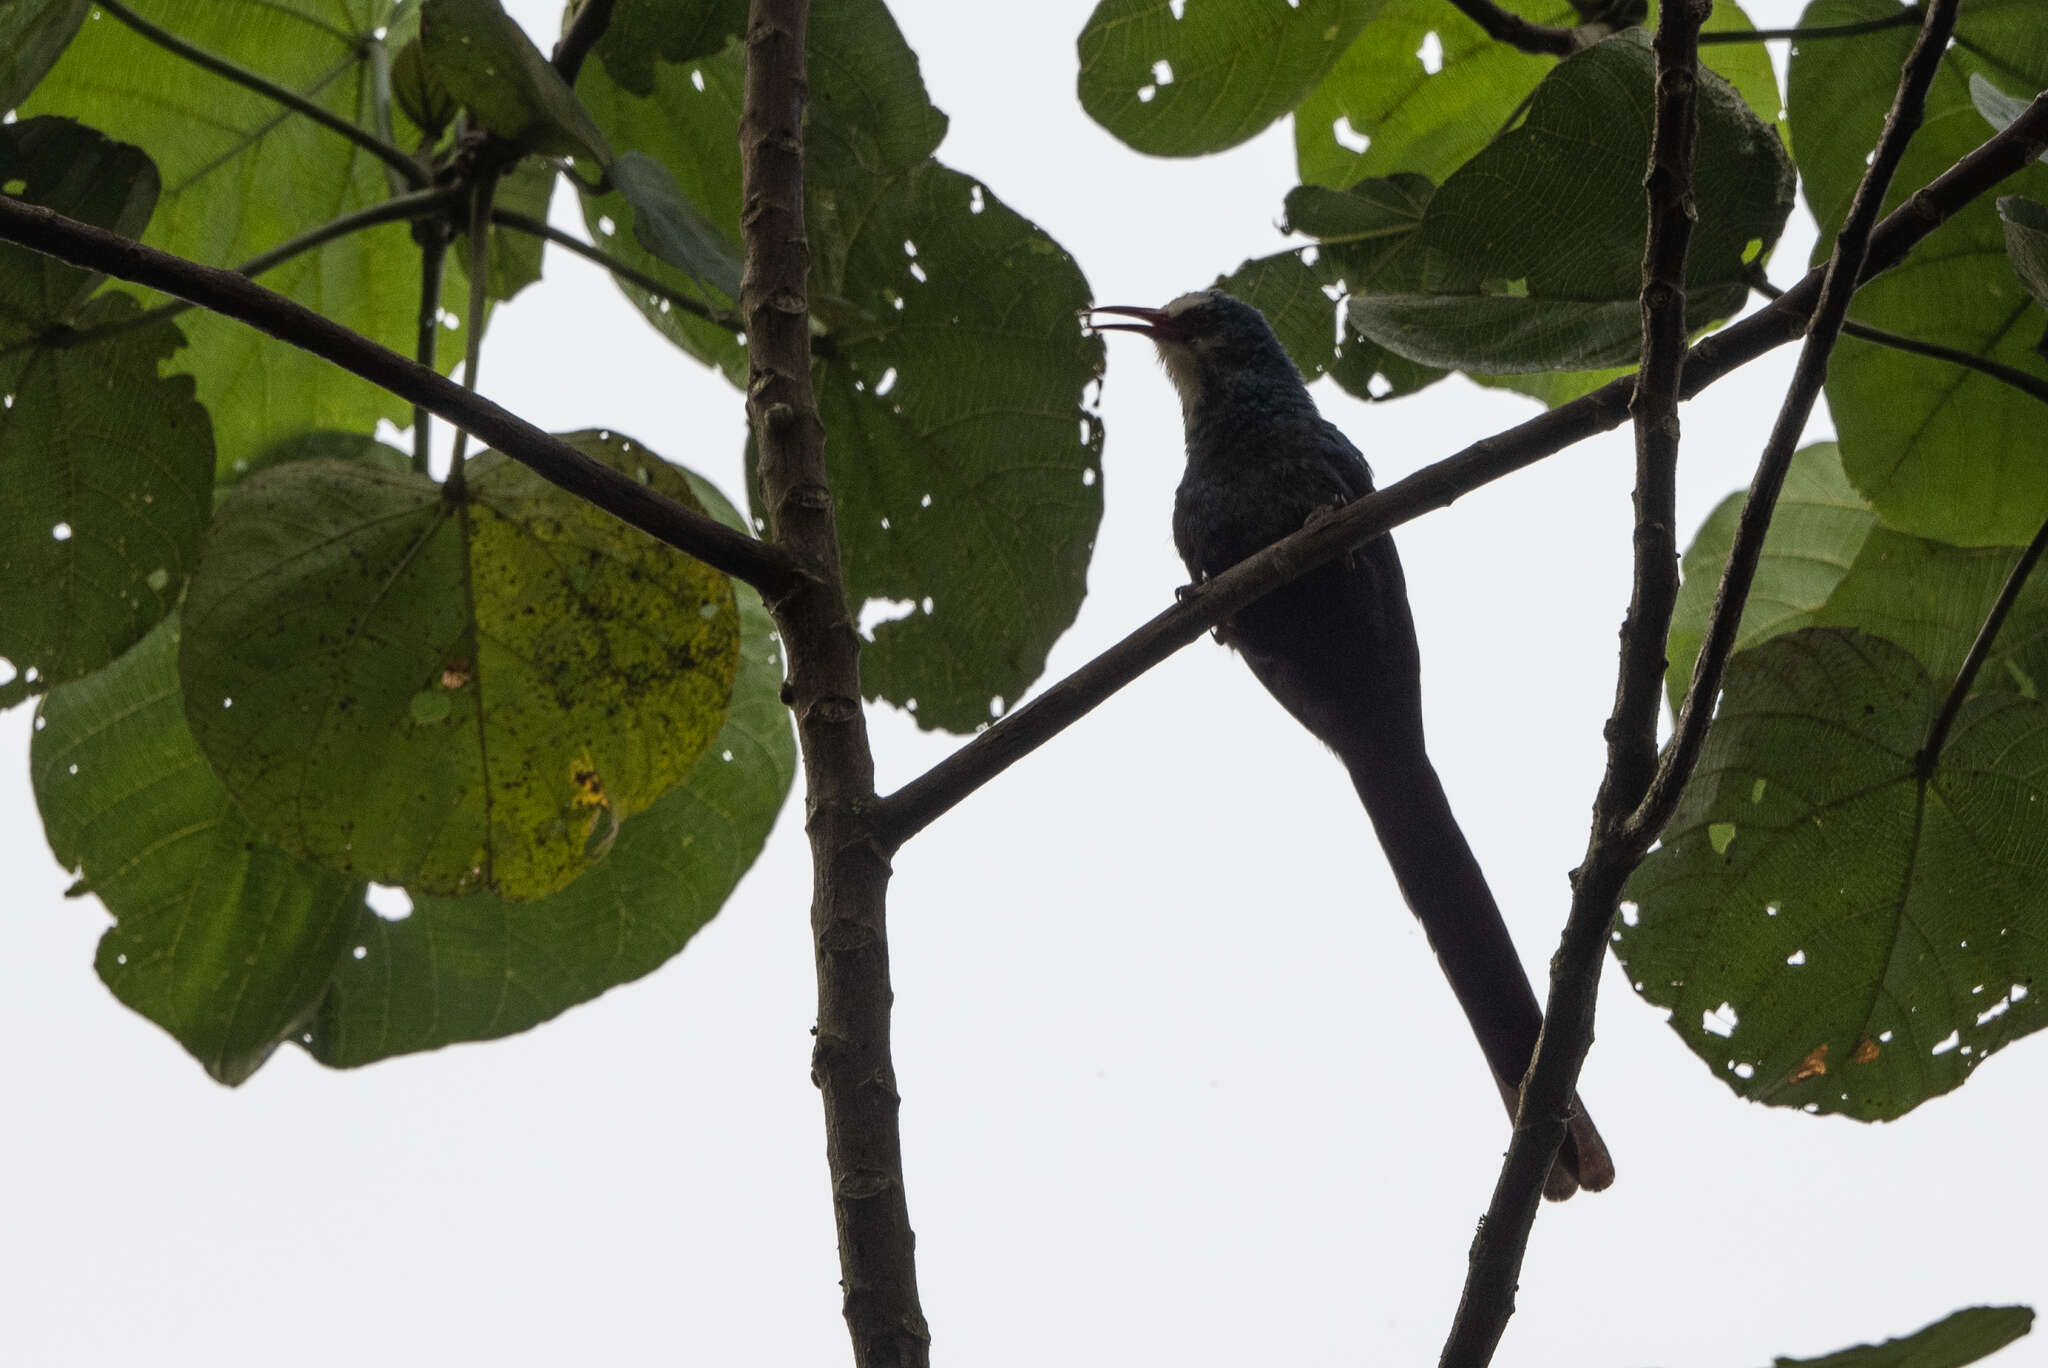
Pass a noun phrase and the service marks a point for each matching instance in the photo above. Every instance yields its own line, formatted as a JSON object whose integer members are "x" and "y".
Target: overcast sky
{"x": 1182, "y": 1084}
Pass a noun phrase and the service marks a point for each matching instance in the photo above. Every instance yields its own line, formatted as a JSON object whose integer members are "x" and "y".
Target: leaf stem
{"x": 433, "y": 268}
{"x": 623, "y": 270}
{"x": 769, "y": 569}
{"x": 1908, "y": 14}
{"x": 1844, "y": 273}
{"x": 1980, "y": 651}
{"x": 1517, "y": 32}
{"x": 482, "y": 187}
{"x": 414, "y": 173}
{"x": 585, "y": 32}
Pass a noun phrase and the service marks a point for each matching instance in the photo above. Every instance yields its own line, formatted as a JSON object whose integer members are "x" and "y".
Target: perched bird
{"x": 1337, "y": 648}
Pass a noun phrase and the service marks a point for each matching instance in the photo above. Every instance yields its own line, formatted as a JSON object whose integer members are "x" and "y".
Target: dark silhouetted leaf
{"x": 72, "y": 169}
{"x": 672, "y": 229}
{"x": 1969, "y": 1335}
{"x": 33, "y": 34}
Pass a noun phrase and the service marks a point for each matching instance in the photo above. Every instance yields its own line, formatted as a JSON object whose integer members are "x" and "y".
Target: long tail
{"x": 1447, "y": 891}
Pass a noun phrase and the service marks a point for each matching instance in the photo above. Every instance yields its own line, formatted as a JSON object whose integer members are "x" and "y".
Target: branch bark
{"x": 850, "y": 868}
{"x": 235, "y": 296}
{"x": 1496, "y": 1260}
{"x": 923, "y": 800}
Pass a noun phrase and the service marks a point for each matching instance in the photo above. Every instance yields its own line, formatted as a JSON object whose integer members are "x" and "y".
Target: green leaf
{"x": 672, "y": 229}
{"x": 477, "y": 967}
{"x": 218, "y": 937}
{"x": 448, "y": 693}
{"x": 1382, "y": 110}
{"x": 489, "y": 66}
{"x": 643, "y": 33}
{"x": 419, "y": 91}
{"x": 106, "y": 476}
{"x": 1529, "y": 258}
{"x": 242, "y": 176}
{"x": 1181, "y": 80}
{"x": 2026, "y": 242}
{"x": 1818, "y": 527}
{"x": 1938, "y": 450}
{"x": 1862, "y": 938}
{"x": 1998, "y": 108}
{"x": 1974, "y": 1333}
{"x": 74, "y": 170}
{"x": 33, "y": 34}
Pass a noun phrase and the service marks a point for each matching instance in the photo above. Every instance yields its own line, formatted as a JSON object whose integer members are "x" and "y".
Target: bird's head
{"x": 1214, "y": 348}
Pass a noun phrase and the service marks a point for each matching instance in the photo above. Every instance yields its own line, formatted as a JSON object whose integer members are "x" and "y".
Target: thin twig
{"x": 851, "y": 1062}
{"x": 414, "y": 173}
{"x": 584, "y": 33}
{"x": 623, "y": 270}
{"x": 1517, "y": 32}
{"x": 40, "y": 229}
{"x": 1495, "y": 1267}
{"x": 2018, "y": 379}
{"x": 483, "y": 186}
{"x": 1909, "y": 14}
{"x": 1980, "y": 650}
{"x": 924, "y": 799}
{"x": 1843, "y": 277}
{"x": 433, "y": 264}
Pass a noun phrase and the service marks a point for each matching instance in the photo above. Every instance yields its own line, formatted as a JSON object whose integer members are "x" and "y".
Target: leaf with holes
{"x": 1529, "y": 258}
{"x": 1831, "y": 930}
{"x": 1974, "y": 1333}
{"x": 1424, "y": 90}
{"x": 1177, "y": 78}
{"x": 448, "y": 693}
{"x": 106, "y": 476}
{"x": 1819, "y": 525}
{"x": 1938, "y": 450}
{"x": 220, "y": 938}
{"x": 489, "y": 66}
{"x": 964, "y": 464}
{"x": 477, "y": 967}
{"x": 241, "y": 177}
{"x": 33, "y": 35}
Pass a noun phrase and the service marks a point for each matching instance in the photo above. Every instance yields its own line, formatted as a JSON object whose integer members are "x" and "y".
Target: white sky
{"x": 1181, "y": 1081}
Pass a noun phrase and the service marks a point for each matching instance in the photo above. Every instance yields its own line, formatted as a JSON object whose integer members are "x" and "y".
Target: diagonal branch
{"x": 236, "y": 296}
{"x": 850, "y": 1063}
{"x": 1517, "y": 32}
{"x": 624, "y": 270}
{"x": 395, "y": 158}
{"x": 1909, "y": 14}
{"x": 924, "y": 799}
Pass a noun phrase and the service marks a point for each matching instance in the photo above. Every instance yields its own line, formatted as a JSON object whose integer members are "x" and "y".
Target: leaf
{"x": 1830, "y": 931}
{"x": 1383, "y": 110}
{"x": 74, "y": 170}
{"x": 106, "y": 476}
{"x": 1938, "y": 450}
{"x": 964, "y": 467}
{"x": 33, "y": 34}
{"x": 241, "y": 176}
{"x": 1819, "y": 525}
{"x": 1181, "y": 79}
{"x": 644, "y": 33}
{"x": 1529, "y": 258}
{"x": 448, "y": 693}
{"x": 1998, "y": 108}
{"x": 477, "y": 967}
{"x": 1974, "y": 1333}
{"x": 419, "y": 91}
{"x": 672, "y": 229}
{"x": 489, "y": 66}
{"x": 2026, "y": 242}
{"x": 219, "y": 938}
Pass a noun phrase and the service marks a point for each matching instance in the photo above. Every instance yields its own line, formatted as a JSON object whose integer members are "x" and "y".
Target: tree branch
{"x": 585, "y": 31}
{"x": 415, "y": 174}
{"x": 1908, "y": 14}
{"x": 1844, "y": 274}
{"x": 1488, "y": 1300}
{"x": 625, "y": 271}
{"x": 433, "y": 268}
{"x": 851, "y": 1062}
{"x": 767, "y": 568}
{"x": 923, "y": 800}
{"x": 1517, "y": 32}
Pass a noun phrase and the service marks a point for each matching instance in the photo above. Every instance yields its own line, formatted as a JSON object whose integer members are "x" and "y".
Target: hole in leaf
{"x": 388, "y": 902}
{"x": 1348, "y": 137}
{"x": 877, "y": 611}
{"x": 1722, "y": 1021}
{"x": 61, "y": 532}
{"x": 1431, "y": 53}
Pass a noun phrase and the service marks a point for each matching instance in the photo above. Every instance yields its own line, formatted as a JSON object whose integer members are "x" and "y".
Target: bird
{"x": 1337, "y": 648}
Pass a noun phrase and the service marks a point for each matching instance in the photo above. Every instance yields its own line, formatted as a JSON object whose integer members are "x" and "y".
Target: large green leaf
{"x": 241, "y": 176}
{"x": 448, "y": 693}
{"x": 72, "y": 169}
{"x": 1817, "y": 528}
{"x": 1830, "y": 930}
{"x": 477, "y": 967}
{"x": 1423, "y": 89}
{"x": 1974, "y": 1333}
{"x": 487, "y": 63}
{"x": 33, "y": 34}
{"x": 1529, "y": 258}
{"x": 218, "y": 937}
{"x": 106, "y": 476}
{"x": 1177, "y": 78}
{"x": 1938, "y": 450}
